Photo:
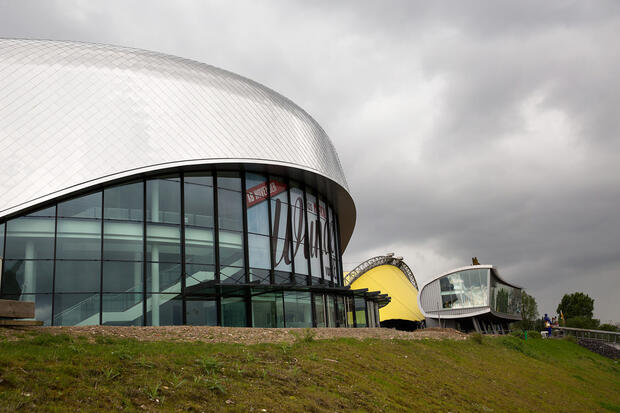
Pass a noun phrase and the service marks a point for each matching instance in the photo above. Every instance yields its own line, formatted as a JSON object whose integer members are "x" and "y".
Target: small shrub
{"x": 534, "y": 334}
{"x": 476, "y": 338}
{"x": 209, "y": 365}
{"x": 308, "y": 337}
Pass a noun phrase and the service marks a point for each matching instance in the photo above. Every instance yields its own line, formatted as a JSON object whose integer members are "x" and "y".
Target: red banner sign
{"x": 260, "y": 192}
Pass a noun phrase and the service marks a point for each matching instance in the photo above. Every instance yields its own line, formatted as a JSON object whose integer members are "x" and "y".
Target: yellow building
{"x": 390, "y": 275}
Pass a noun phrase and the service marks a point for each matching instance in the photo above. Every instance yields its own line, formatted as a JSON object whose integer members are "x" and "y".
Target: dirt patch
{"x": 241, "y": 335}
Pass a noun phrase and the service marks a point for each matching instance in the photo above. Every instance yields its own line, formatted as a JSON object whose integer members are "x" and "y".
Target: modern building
{"x": 474, "y": 298}
{"x": 392, "y": 276}
{"x": 143, "y": 189}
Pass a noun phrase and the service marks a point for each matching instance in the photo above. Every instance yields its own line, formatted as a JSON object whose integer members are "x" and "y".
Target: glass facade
{"x": 202, "y": 248}
{"x": 504, "y": 298}
{"x": 465, "y": 289}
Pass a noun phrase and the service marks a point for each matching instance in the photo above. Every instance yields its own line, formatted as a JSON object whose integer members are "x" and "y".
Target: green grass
{"x": 61, "y": 373}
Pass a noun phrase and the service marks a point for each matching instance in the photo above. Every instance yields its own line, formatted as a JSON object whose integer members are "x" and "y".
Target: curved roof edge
{"x": 340, "y": 197}
{"x": 377, "y": 261}
{"x": 472, "y": 267}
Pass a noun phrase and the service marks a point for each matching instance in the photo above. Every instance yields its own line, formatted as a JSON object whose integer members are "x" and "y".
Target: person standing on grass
{"x": 548, "y": 325}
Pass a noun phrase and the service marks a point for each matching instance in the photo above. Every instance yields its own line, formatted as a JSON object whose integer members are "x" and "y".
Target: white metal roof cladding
{"x": 76, "y": 114}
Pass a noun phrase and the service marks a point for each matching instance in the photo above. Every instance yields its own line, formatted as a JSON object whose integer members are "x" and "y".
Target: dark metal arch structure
{"x": 374, "y": 262}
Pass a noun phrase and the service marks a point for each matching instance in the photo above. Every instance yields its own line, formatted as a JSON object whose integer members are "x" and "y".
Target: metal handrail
{"x": 376, "y": 262}
{"x": 599, "y": 335}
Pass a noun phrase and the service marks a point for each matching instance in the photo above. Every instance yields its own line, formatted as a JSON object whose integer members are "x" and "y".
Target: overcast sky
{"x": 465, "y": 128}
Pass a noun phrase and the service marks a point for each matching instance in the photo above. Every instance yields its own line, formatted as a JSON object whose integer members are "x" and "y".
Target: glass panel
{"x": 279, "y": 219}
{"x": 78, "y": 239}
{"x": 47, "y": 212}
{"x": 278, "y": 189}
{"x": 229, "y": 180}
{"x": 163, "y": 277}
{"x": 199, "y": 201}
{"x": 464, "y": 289}
{"x": 122, "y": 309}
{"x": 233, "y": 312}
{"x": 319, "y": 310}
{"x": 199, "y": 178}
{"x": 331, "y": 311}
{"x": 301, "y": 260}
{"x": 360, "y": 311}
{"x": 26, "y": 277}
{"x": 232, "y": 275}
{"x": 199, "y": 279}
{"x": 123, "y": 241}
{"x": 76, "y": 309}
{"x": 267, "y": 310}
{"x": 231, "y": 249}
{"x": 124, "y": 202}
{"x": 1, "y": 241}
{"x": 258, "y": 209}
{"x": 282, "y": 255}
{"x": 504, "y": 298}
{"x": 282, "y": 277}
{"x": 122, "y": 277}
{"x": 260, "y": 276}
{"x": 199, "y": 246}
{"x": 297, "y": 309}
{"x": 259, "y": 251}
{"x": 78, "y": 276}
{"x": 327, "y": 271}
{"x": 42, "y": 306}
{"x": 164, "y": 310}
{"x": 341, "y": 313}
{"x": 313, "y": 236}
{"x": 30, "y": 238}
{"x": 163, "y": 200}
{"x": 162, "y": 242}
{"x": 229, "y": 210}
{"x": 88, "y": 206}
{"x": 350, "y": 308}
{"x": 201, "y": 312}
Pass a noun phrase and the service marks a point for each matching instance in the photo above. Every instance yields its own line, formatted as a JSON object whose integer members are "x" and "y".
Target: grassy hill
{"x": 40, "y": 371}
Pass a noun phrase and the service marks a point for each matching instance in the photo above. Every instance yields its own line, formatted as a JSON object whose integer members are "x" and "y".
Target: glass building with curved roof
{"x": 471, "y": 298}
{"x": 144, "y": 189}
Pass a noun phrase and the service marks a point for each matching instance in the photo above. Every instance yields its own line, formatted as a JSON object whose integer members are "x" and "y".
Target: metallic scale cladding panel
{"x": 73, "y": 115}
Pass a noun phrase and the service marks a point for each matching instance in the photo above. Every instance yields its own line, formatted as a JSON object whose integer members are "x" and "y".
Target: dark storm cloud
{"x": 465, "y": 129}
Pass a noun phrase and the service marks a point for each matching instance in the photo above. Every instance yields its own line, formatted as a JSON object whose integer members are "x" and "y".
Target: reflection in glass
{"x": 232, "y": 275}
{"x": 78, "y": 239}
{"x": 122, "y": 309}
{"x": 163, "y": 277}
{"x": 30, "y": 238}
{"x": 163, "y": 242}
{"x": 88, "y": 206}
{"x": 26, "y": 277}
{"x": 77, "y": 276}
{"x": 360, "y": 311}
{"x": 199, "y": 201}
{"x": 268, "y": 310}
{"x": 164, "y": 310}
{"x": 42, "y": 306}
{"x": 123, "y": 241}
{"x": 233, "y": 312}
{"x": 319, "y": 310}
{"x": 122, "y": 277}
{"x": 256, "y": 200}
{"x": 231, "y": 248}
{"x": 163, "y": 200}
{"x": 199, "y": 279}
{"x": 230, "y": 210}
{"x": 229, "y": 180}
{"x": 259, "y": 251}
{"x": 464, "y": 289}
{"x": 124, "y": 202}
{"x": 201, "y": 312}
{"x": 199, "y": 246}
{"x": 76, "y": 309}
{"x": 297, "y": 309}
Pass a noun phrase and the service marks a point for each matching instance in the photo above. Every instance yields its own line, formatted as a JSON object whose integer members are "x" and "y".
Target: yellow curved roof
{"x": 392, "y": 281}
